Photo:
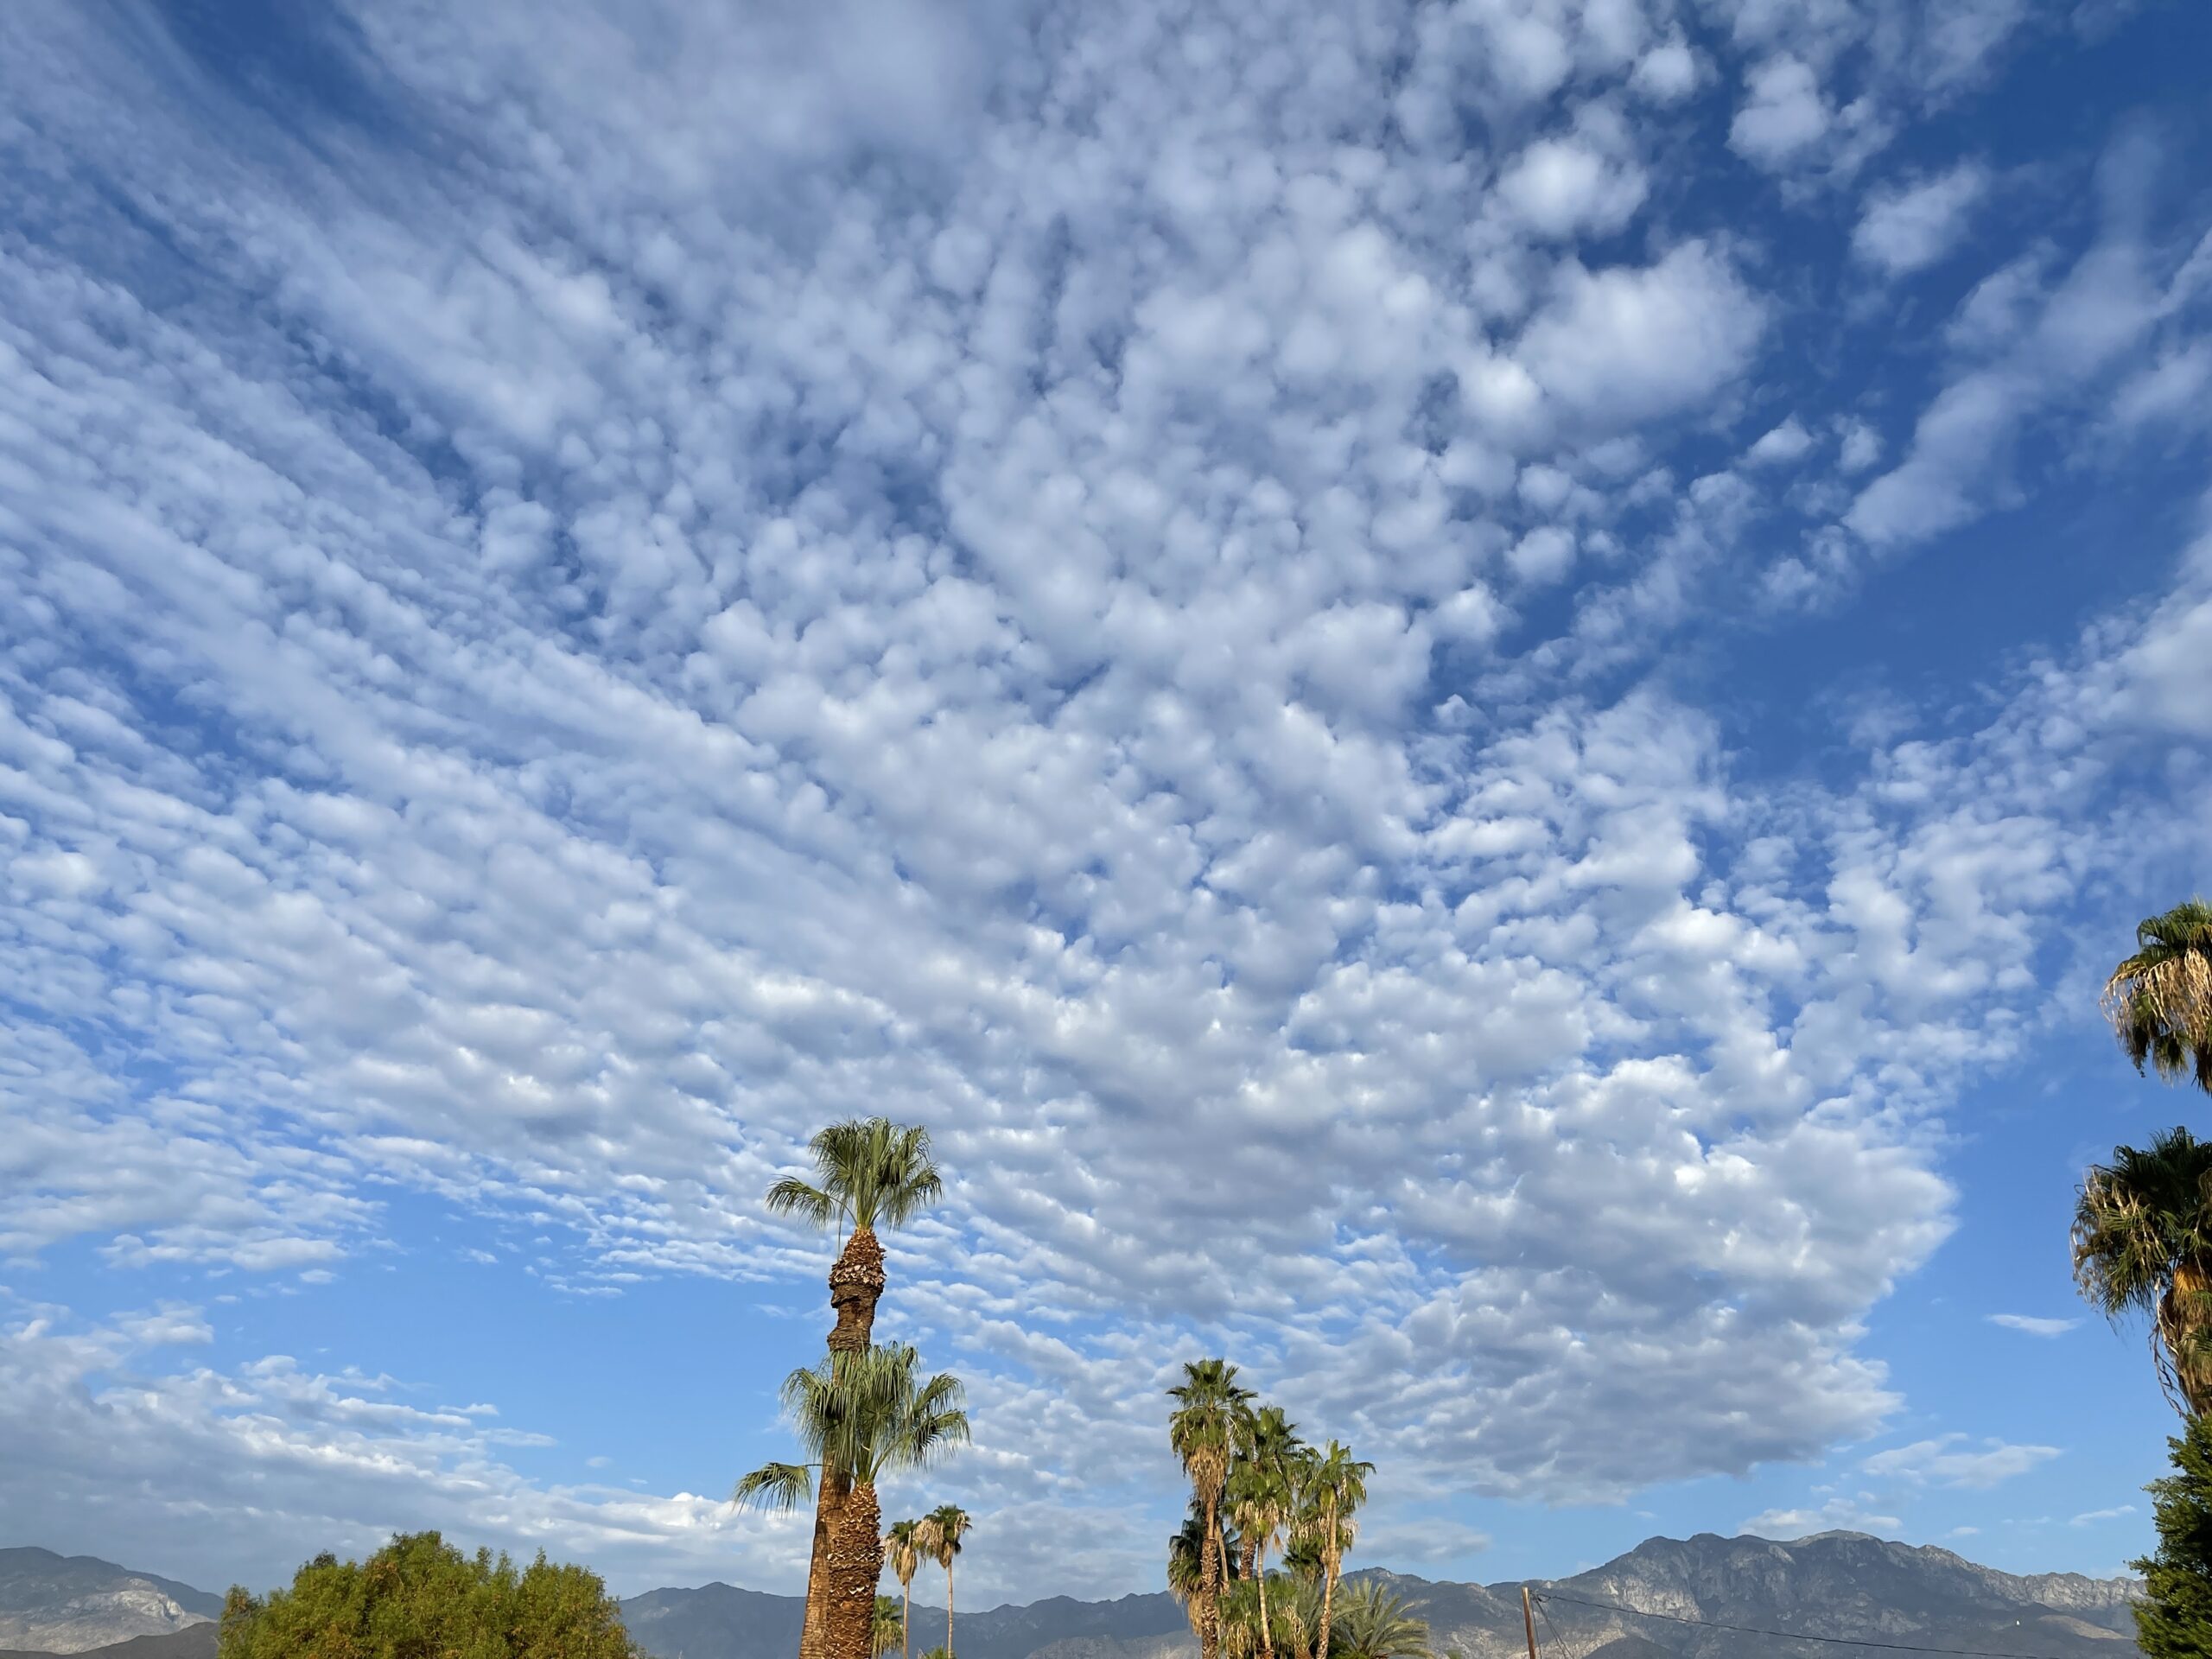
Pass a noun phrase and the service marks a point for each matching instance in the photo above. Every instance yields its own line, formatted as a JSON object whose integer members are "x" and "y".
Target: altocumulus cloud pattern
{"x": 1260, "y": 614}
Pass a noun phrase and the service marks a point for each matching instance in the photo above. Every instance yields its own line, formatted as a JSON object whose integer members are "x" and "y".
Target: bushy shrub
{"x": 419, "y": 1598}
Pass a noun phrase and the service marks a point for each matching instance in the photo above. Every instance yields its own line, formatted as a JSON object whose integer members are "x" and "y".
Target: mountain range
{"x": 1702, "y": 1598}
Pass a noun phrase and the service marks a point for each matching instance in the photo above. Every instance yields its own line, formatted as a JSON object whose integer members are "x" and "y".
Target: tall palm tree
{"x": 1335, "y": 1485}
{"x": 2143, "y": 1244}
{"x": 903, "y": 1552}
{"x": 887, "y": 1630}
{"x": 940, "y": 1534}
{"x": 2159, "y": 999}
{"x": 1375, "y": 1624}
{"x": 1203, "y": 1430}
{"x": 867, "y": 1171}
{"x": 858, "y": 1415}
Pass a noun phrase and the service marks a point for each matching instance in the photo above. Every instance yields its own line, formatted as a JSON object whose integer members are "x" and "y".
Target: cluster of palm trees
{"x": 1255, "y": 1487}
{"x": 2142, "y": 1239}
{"x": 865, "y": 1410}
{"x": 935, "y": 1537}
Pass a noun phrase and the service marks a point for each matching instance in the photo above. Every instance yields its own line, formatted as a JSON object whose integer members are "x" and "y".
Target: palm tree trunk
{"x": 829, "y": 1499}
{"x": 1329, "y": 1558}
{"x": 1250, "y": 1547}
{"x": 907, "y": 1619}
{"x": 855, "y": 1563}
{"x": 947, "y": 1607}
{"x": 1267, "y": 1636}
{"x": 1209, "y": 1580}
{"x": 856, "y": 1287}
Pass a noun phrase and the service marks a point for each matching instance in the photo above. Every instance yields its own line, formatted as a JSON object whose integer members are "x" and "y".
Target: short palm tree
{"x": 1296, "y": 1606}
{"x": 2143, "y": 1244}
{"x": 1203, "y": 1431}
{"x": 1186, "y": 1565}
{"x": 1376, "y": 1623}
{"x": 858, "y": 1415}
{"x": 867, "y": 1171}
{"x": 1333, "y": 1486}
{"x": 2159, "y": 999}
{"x": 938, "y": 1535}
{"x": 902, "y": 1552}
{"x": 888, "y": 1627}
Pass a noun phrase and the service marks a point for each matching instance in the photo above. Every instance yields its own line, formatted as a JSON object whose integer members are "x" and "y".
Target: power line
{"x": 1790, "y": 1636}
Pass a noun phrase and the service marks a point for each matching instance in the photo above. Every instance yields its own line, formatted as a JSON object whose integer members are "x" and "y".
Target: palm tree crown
{"x": 938, "y": 1536}
{"x": 2143, "y": 1244}
{"x": 867, "y": 1171}
{"x": 902, "y": 1555}
{"x": 1376, "y": 1623}
{"x": 858, "y": 1415}
{"x": 2159, "y": 999}
{"x": 887, "y": 1628}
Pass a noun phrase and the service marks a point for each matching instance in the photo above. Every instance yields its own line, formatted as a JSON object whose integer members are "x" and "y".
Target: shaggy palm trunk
{"x": 856, "y": 1287}
{"x": 854, "y": 1564}
{"x": 1250, "y": 1547}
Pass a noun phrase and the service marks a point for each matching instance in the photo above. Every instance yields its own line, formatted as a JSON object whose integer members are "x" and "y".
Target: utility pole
{"x": 1528, "y": 1619}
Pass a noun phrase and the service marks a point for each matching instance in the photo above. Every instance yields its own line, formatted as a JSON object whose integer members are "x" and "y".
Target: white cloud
{"x": 1910, "y": 227}
{"x": 2033, "y": 1325}
{"x": 1781, "y": 445}
{"x": 1838, "y": 1513}
{"x": 1783, "y": 114}
{"x": 1947, "y": 1460}
{"x": 1624, "y": 344}
{"x": 2090, "y": 1517}
{"x": 1559, "y": 187}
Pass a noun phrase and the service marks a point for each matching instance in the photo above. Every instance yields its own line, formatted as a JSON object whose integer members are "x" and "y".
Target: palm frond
{"x": 775, "y": 1486}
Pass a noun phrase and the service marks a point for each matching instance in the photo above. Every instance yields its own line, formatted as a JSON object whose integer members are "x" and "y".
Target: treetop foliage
{"x": 419, "y": 1598}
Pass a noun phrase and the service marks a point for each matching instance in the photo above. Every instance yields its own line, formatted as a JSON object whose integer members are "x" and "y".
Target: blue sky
{"x": 1466, "y": 695}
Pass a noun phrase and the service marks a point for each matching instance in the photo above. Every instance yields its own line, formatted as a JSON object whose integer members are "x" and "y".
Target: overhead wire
{"x": 1542, "y": 1596}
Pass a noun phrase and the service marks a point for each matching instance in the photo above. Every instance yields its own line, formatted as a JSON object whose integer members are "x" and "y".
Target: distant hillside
{"x": 719, "y": 1622}
{"x": 192, "y": 1641}
{"x": 74, "y": 1604}
{"x": 1836, "y": 1584}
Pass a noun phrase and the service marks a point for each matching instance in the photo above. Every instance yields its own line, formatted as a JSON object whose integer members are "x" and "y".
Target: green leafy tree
{"x": 418, "y": 1595}
{"x": 867, "y": 1172}
{"x": 2174, "y": 1619}
{"x": 939, "y": 1536}
{"x": 1203, "y": 1430}
{"x": 2143, "y": 1244}
{"x": 1375, "y": 1623}
{"x": 858, "y": 1415}
{"x": 902, "y": 1552}
{"x": 2159, "y": 999}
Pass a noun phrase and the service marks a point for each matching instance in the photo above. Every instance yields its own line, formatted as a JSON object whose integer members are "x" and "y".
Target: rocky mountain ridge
{"x": 73, "y": 1604}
